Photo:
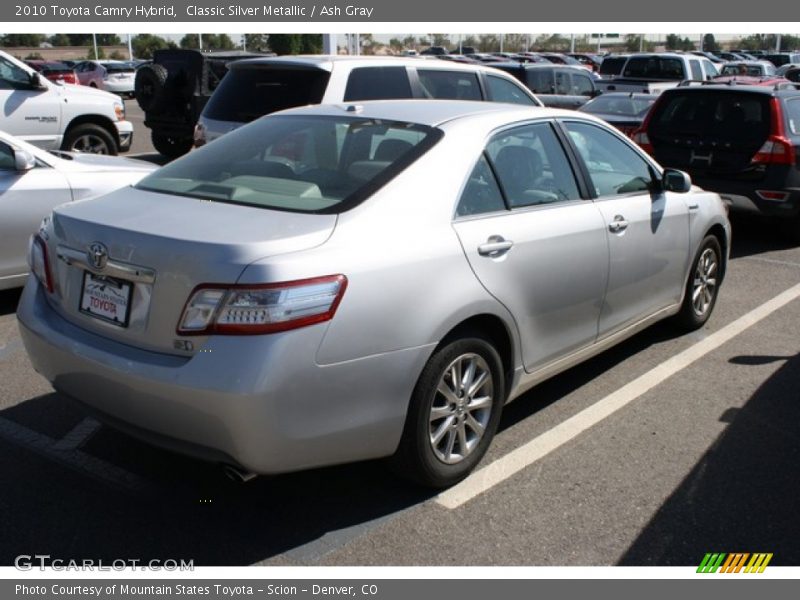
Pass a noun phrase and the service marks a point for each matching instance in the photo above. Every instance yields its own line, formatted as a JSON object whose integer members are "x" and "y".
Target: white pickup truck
{"x": 654, "y": 72}
{"x": 66, "y": 117}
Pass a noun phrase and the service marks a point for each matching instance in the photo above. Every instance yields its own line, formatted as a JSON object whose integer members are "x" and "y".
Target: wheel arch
{"x": 496, "y": 331}
{"x": 98, "y": 120}
{"x": 718, "y": 231}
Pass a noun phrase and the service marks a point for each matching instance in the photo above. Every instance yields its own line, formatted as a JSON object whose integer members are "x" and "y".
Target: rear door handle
{"x": 495, "y": 246}
{"x": 618, "y": 224}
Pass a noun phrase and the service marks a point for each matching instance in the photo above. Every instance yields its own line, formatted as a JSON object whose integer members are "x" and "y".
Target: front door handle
{"x": 495, "y": 246}
{"x": 618, "y": 224}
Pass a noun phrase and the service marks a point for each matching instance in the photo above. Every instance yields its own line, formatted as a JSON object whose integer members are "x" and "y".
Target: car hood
{"x": 76, "y": 161}
{"x": 78, "y": 92}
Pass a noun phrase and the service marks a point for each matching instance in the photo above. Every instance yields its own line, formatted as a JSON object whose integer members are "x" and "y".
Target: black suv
{"x": 174, "y": 88}
{"x": 740, "y": 141}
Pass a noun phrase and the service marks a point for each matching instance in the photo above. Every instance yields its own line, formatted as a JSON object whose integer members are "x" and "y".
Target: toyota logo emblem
{"x": 97, "y": 255}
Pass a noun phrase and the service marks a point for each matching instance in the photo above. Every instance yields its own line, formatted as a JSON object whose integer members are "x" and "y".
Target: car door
{"x": 647, "y": 229}
{"x": 31, "y": 113}
{"x": 533, "y": 242}
{"x": 26, "y": 197}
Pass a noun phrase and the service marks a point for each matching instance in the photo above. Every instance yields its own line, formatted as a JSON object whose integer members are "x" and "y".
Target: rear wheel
{"x": 169, "y": 146}
{"x": 89, "y": 138}
{"x": 453, "y": 414}
{"x": 702, "y": 287}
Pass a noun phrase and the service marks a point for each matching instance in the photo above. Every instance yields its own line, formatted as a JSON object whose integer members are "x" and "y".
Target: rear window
{"x": 713, "y": 116}
{"x": 123, "y": 68}
{"x": 612, "y": 65}
{"x": 55, "y": 68}
{"x": 248, "y": 93}
{"x": 654, "y": 67}
{"x": 313, "y": 164}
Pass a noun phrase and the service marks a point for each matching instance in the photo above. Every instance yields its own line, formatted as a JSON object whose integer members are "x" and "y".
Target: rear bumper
{"x": 259, "y": 402}
{"x": 743, "y": 196}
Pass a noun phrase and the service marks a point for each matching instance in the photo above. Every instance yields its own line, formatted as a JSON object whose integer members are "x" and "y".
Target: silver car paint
{"x": 335, "y": 391}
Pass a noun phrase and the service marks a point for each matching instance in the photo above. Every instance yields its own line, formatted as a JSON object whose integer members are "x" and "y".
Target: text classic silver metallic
{"x": 338, "y": 283}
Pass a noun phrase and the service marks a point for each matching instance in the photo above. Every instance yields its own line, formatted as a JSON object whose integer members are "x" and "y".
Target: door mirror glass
{"x": 677, "y": 181}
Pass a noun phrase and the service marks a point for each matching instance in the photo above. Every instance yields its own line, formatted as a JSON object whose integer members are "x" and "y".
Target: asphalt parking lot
{"x": 699, "y": 456}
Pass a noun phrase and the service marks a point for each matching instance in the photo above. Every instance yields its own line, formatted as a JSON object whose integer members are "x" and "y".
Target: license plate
{"x": 106, "y": 298}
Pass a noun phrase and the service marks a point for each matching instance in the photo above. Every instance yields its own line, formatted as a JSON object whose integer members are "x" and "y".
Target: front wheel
{"x": 89, "y": 138}
{"x": 702, "y": 286}
{"x": 453, "y": 413}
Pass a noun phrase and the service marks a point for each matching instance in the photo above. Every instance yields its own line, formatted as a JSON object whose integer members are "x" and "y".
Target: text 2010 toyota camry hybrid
{"x": 337, "y": 283}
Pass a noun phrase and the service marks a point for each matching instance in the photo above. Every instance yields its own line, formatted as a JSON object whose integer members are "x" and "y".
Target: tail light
{"x": 773, "y": 195}
{"x": 199, "y": 135}
{"x": 39, "y": 262}
{"x": 777, "y": 149}
{"x": 258, "y": 309}
{"x": 640, "y": 137}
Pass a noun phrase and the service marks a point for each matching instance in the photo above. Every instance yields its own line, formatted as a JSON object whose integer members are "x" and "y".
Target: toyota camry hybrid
{"x": 338, "y": 283}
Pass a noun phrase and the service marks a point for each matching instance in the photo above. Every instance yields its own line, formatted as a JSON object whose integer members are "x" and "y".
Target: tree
{"x": 488, "y": 43}
{"x": 310, "y": 43}
{"x": 34, "y": 56}
{"x": 256, "y": 42}
{"x": 514, "y": 42}
{"x": 190, "y": 41}
{"x": 441, "y": 39}
{"x": 553, "y": 43}
{"x": 709, "y": 43}
{"x": 396, "y": 45}
{"x": 117, "y": 55}
{"x": 410, "y": 42}
{"x": 285, "y": 43}
{"x": 145, "y": 44}
{"x": 635, "y": 43}
{"x": 59, "y": 39}
{"x": 21, "y": 39}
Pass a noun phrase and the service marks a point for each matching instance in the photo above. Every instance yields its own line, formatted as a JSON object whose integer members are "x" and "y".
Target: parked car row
{"x": 114, "y": 76}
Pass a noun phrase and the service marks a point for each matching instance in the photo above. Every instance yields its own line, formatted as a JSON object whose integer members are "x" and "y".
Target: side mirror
{"x": 677, "y": 181}
{"x": 23, "y": 160}
{"x": 36, "y": 82}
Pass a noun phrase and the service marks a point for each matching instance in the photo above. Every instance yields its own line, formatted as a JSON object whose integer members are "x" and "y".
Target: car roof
{"x": 431, "y": 112}
{"x": 327, "y": 61}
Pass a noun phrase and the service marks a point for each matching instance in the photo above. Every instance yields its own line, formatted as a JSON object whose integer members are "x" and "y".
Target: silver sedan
{"x": 33, "y": 182}
{"x": 338, "y": 283}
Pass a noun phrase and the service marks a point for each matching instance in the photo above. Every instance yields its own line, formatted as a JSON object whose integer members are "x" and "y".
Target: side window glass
{"x": 563, "y": 83}
{"x": 697, "y": 72}
{"x": 481, "y": 194}
{"x": 377, "y": 83}
{"x": 531, "y": 166}
{"x": 13, "y": 76}
{"x": 581, "y": 85}
{"x": 449, "y": 85}
{"x": 793, "y": 110}
{"x": 540, "y": 81}
{"x": 7, "y": 162}
{"x": 615, "y": 168}
{"x": 502, "y": 90}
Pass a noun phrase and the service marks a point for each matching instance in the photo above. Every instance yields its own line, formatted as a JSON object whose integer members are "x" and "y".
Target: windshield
{"x": 616, "y": 105}
{"x": 315, "y": 164}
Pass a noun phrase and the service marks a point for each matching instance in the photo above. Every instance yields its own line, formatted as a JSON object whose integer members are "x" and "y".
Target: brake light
{"x": 39, "y": 263}
{"x": 640, "y": 137}
{"x": 199, "y": 135}
{"x": 778, "y": 149}
{"x": 259, "y": 309}
{"x": 772, "y": 195}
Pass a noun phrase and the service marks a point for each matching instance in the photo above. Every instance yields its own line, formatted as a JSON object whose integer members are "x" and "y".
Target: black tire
{"x": 702, "y": 286}
{"x": 89, "y": 138}
{"x": 171, "y": 147}
{"x": 425, "y": 461}
{"x": 149, "y": 87}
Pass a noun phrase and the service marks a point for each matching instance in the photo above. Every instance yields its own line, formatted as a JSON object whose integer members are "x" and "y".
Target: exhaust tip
{"x": 237, "y": 475}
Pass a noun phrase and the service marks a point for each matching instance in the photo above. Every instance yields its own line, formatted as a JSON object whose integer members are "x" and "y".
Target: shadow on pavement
{"x": 743, "y": 495}
{"x": 9, "y": 300}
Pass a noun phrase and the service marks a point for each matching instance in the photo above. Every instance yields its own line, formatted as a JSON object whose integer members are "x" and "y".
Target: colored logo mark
{"x": 734, "y": 563}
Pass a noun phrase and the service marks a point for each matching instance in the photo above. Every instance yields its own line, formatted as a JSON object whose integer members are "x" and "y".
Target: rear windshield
{"x": 248, "y": 93}
{"x": 56, "y": 68}
{"x": 654, "y": 67}
{"x": 713, "y": 116}
{"x": 313, "y": 164}
{"x": 619, "y": 105}
{"x": 123, "y": 68}
{"x": 612, "y": 65}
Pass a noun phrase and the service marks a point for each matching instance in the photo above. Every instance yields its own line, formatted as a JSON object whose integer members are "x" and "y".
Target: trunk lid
{"x": 159, "y": 248}
{"x": 711, "y": 133}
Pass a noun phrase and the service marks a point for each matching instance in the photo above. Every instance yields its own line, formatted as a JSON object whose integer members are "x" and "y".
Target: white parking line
{"x": 539, "y": 447}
